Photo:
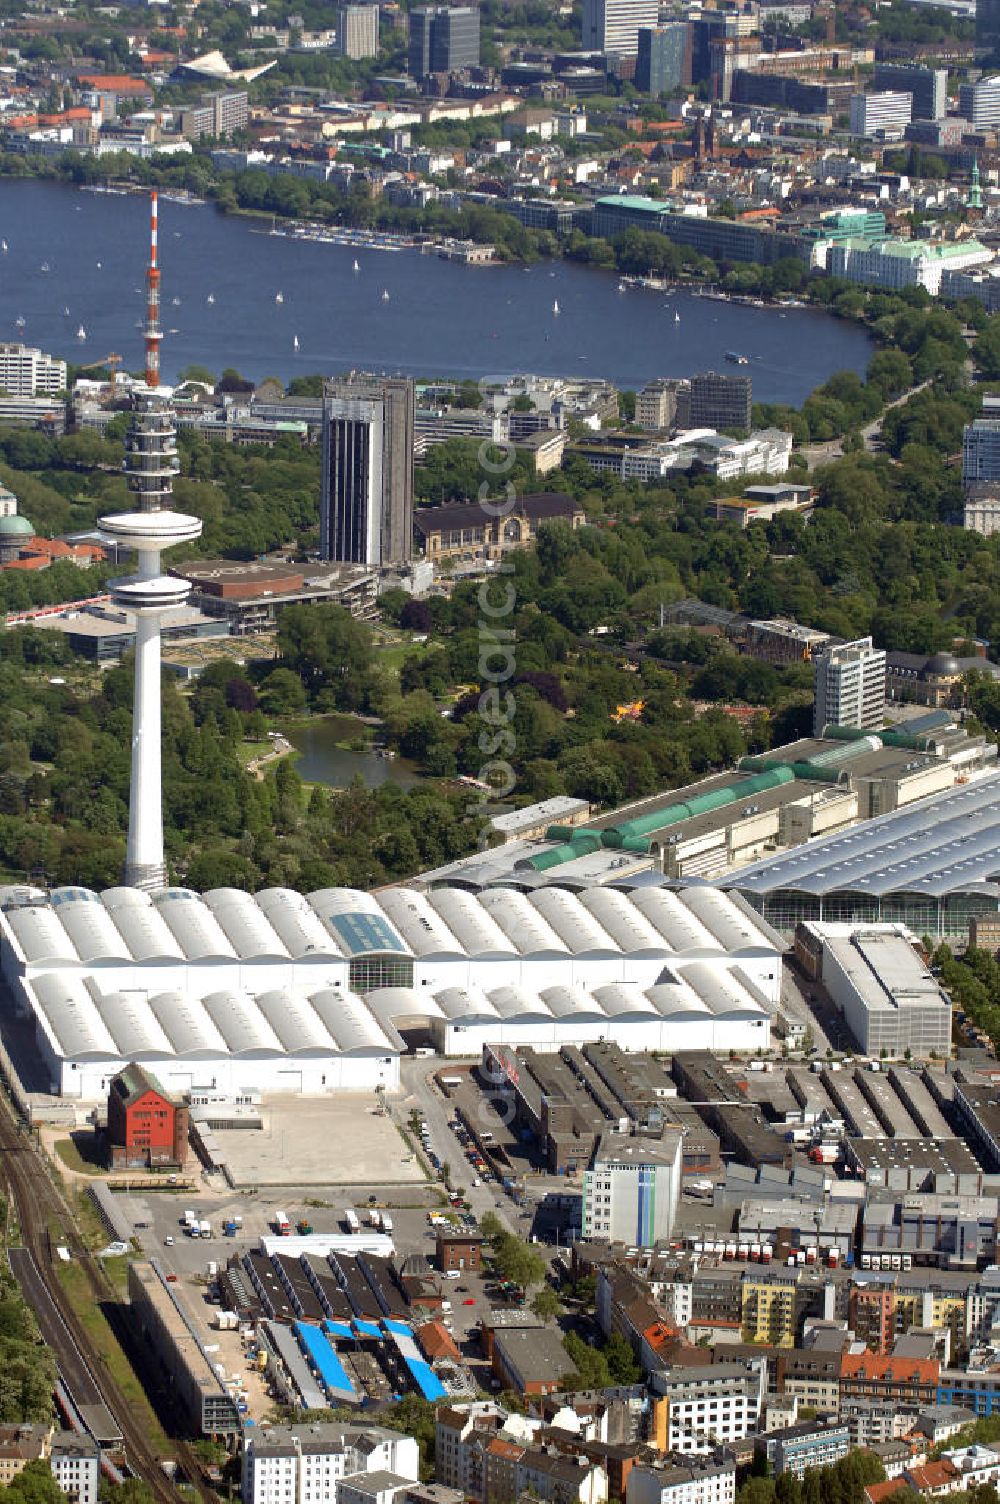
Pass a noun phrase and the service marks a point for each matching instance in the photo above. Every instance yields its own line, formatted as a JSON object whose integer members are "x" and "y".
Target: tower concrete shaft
{"x": 150, "y": 466}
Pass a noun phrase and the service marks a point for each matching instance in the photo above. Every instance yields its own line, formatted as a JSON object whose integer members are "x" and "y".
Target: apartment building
{"x": 27, "y": 372}
{"x": 306, "y": 1463}
{"x": 850, "y": 685}
{"x": 75, "y": 1460}
{"x": 707, "y": 1480}
{"x": 711, "y": 1405}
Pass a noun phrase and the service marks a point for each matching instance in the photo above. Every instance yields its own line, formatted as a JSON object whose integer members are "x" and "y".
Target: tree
{"x": 545, "y": 1304}
{"x": 519, "y": 1262}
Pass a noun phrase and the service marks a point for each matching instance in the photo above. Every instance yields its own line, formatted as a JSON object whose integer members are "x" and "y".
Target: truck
{"x": 351, "y": 1220}
{"x": 303, "y": 1228}
{"x": 282, "y": 1226}
{"x": 386, "y": 1222}
{"x": 205, "y": 1230}
{"x": 824, "y": 1154}
{"x": 229, "y": 1229}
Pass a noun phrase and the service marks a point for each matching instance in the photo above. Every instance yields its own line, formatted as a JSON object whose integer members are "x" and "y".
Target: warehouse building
{"x": 890, "y": 1001}
{"x": 286, "y": 993}
{"x": 813, "y": 787}
{"x": 166, "y": 1326}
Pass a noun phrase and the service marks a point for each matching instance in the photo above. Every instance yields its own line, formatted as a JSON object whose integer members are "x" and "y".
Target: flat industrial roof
{"x": 949, "y": 843}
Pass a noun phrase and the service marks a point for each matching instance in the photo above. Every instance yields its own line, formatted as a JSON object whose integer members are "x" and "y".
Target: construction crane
{"x": 112, "y": 362}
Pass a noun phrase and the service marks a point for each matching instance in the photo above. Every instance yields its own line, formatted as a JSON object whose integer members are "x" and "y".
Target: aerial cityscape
{"x": 499, "y": 724}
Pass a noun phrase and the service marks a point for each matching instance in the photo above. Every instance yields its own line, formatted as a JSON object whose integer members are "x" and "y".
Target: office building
{"x": 613, "y": 25}
{"x": 309, "y": 1464}
{"x": 631, "y": 1191}
{"x": 443, "y": 39}
{"x": 988, "y": 28}
{"x": 26, "y": 372}
{"x": 887, "y": 113}
{"x": 75, "y": 1460}
{"x": 880, "y": 262}
{"x": 357, "y": 31}
{"x": 656, "y": 406}
{"x": 366, "y": 501}
{"x": 979, "y": 103}
{"x": 981, "y": 451}
{"x": 663, "y": 63}
{"x": 720, "y": 401}
{"x": 927, "y": 87}
{"x": 794, "y": 1448}
{"x": 850, "y": 685}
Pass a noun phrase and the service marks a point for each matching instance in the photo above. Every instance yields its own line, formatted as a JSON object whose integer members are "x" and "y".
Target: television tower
{"x": 153, "y": 332}
{"x": 150, "y": 466}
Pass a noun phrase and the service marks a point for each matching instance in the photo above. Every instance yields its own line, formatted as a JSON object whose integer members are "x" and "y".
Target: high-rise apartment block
{"x": 850, "y": 686}
{"x": 218, "y": 116}
{"x": 872, "y": 114}
{"x": 979, "y": 103}
{"x": 613, "y": 25}
{"x": 25, "y": 371}
{"x": 720, "y": 401}
{"x": 443, "y": 39}
{"x": 928, "y": 87}
{"x": 366, "y": 505}
{"x": 357, "y": 31}
{"x": 663, "y": 63}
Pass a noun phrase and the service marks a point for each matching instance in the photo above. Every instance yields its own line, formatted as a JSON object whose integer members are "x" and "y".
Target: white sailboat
{"x": 81, "y": 333}
{"x": 555, "y": 307}
{"x": 19, "y": 321}
{"x": 3, "y": 246}
{"x": 385, "y": 295}
{"x": 210, "y": 298}
{"x": 295, "y": 343}
{"x": 356, "y": 266}
{"x": 677, "y": 317}
{"x": 279, "y": 297}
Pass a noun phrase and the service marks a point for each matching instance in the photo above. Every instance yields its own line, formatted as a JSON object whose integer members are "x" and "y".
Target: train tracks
{"x": 92, "y": 1386}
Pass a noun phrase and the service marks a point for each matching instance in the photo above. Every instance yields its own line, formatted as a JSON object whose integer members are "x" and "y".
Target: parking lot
{"x": 341, "y": 1140}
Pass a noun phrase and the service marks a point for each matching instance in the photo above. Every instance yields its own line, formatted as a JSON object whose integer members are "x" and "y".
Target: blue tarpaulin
{"x": 324, "y": 1360}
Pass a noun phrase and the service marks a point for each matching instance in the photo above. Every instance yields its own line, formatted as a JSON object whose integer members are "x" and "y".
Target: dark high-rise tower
{"x": 443, "y": 39}
{"x": 988, "y": 27}
{"x": 366, "y": 509}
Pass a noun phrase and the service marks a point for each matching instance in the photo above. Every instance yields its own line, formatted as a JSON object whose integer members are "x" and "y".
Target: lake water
{"x": 440, "y": 318}
{"x": 320, "y": 760}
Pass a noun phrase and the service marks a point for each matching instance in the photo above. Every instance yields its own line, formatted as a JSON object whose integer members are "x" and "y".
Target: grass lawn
{"x": 247, "y": 751}
{"x": 395, "y": 654}
{"x": 74, "y": 1282}
{"x": 79, "y": 1153}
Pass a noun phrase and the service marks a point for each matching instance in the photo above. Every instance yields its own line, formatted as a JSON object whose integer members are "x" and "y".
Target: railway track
{"x": 39, "y": 1206}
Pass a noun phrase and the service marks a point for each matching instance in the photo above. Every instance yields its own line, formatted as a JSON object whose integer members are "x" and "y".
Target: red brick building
{"x": 145, "y": 1126}
{"x": 457, "y": 1250}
